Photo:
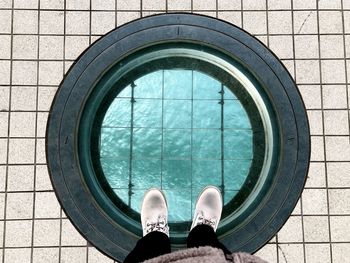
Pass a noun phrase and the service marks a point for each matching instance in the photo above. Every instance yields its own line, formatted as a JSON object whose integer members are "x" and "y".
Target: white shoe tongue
{"x": 208, "y": 216}
{"x": 156, "y": 225}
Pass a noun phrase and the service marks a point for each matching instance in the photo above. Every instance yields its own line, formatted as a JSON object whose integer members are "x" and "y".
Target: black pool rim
{"x": 89, "y": 216}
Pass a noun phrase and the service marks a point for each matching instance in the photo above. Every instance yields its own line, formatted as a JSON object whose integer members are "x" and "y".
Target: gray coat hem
{"x": 204, "y": 255}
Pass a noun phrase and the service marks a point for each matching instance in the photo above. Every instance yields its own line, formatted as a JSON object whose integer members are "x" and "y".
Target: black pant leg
{"x": 204, "y": 235}
{"x": 150, "y": 246}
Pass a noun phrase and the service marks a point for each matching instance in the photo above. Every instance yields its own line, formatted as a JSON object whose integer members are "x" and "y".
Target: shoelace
{"x": 201, "y": 220}
{"x": 159, "y": 225}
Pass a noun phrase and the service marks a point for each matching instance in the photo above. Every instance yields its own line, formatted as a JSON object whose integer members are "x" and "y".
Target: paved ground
{"x": 39, "y": 40}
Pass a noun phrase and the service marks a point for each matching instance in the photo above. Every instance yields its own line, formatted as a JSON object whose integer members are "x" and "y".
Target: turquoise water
{"x": 178, "y": 130}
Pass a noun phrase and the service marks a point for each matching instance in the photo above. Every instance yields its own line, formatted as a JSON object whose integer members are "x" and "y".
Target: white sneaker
{"x": 154, "y": 212}
{"x": 208, "y": 208}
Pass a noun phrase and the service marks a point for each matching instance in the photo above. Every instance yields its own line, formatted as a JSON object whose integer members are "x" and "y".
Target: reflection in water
{"x": 178, "y": 130}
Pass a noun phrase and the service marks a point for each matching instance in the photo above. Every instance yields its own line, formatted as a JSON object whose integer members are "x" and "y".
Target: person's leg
{"x": 206, "y": 219}
{"x": 154, "y": 220}
{"x": 204, "y": 235}
{"x": 150, "y": 246}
